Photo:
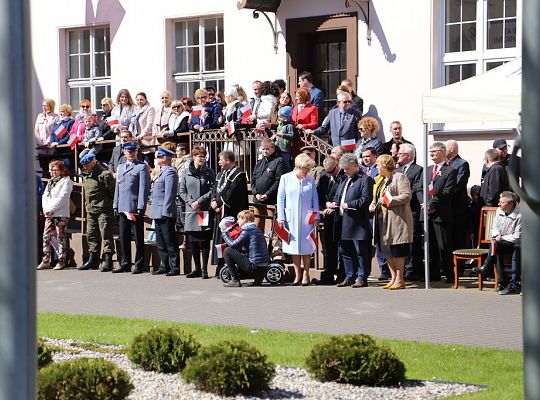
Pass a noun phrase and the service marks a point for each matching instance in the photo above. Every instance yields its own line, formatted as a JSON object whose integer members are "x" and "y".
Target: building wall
{"x": 394, "y": 70}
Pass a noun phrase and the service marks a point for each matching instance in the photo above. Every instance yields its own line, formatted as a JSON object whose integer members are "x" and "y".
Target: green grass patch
{"x": 500, "y": 370}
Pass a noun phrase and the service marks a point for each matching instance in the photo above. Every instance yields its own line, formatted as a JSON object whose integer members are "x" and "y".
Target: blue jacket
{"x": 163, "y": 195}
{"x": 132, "y": 187}
{"x": 251, "y": 238}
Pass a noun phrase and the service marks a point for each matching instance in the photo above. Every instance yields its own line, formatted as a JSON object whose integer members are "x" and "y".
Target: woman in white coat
{"x": 298, "y": 211}
{"x": 55, "y": 204}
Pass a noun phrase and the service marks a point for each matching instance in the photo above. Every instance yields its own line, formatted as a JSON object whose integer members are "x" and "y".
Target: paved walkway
{"x": 441, "y": 315}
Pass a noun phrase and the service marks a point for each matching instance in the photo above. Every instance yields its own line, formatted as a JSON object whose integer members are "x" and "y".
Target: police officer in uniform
{"x": 163, "y": 212}
{"x": 98, "y": 194}
{"x": 130, "y": 198}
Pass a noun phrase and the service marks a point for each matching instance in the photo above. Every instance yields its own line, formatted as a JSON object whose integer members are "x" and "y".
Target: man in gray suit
{"x": 130, "y": 197}
{"x": 341, "y": 122}
{"x": 163, "y": 212}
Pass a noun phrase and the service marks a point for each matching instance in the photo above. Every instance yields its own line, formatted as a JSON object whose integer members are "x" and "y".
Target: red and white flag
{"x": 312, "y": 238}
{"x": 387, "y": 197}
{"x": 60, "y": 131}
{"x": 196, "y": 111}
{"x": 73, "y": 140}
{"x": 310, "y": 217}
{"x": 202, "y": 218}
{"x": 431, "y": 190}
{"x": 220, "y": 249}
{"x": 131, "y": 216}
{"x": 246, "y": 112}
{"x": 348, "y": 144}
{"x": 112, "y": 121}
{"x": 493, "y": 248}
{"x": 230, "y": 128}
{"x": 282, "y": 233}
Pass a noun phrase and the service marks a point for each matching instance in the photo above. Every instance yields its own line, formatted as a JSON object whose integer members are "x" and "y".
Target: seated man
{"x": 252, "y": 239}
{"x": 506, "y": 239}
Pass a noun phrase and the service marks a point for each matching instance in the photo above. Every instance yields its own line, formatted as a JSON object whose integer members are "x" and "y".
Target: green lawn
{"x": 500, "y": 370}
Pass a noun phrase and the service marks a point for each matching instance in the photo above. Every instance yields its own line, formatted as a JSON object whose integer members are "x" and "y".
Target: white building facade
{"x": 393, "y": 50}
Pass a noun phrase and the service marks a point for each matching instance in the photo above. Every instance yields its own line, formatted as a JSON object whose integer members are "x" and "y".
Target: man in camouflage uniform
{"x": 98, "y": 195}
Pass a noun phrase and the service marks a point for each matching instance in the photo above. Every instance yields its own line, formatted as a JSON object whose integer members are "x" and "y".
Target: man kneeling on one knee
{"x": 252, "y": 240}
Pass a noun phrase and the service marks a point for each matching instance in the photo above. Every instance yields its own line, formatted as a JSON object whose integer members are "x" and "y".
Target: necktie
{"x": 435, "y": 170}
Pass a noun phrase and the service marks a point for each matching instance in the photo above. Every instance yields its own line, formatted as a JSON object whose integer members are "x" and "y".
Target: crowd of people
{"x": 368, "y": 194}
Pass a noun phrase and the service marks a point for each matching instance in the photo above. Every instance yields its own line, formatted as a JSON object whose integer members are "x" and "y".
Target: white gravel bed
{"x": 289, "y": 383}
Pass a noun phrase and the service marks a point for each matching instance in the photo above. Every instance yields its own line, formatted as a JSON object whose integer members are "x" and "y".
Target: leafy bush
{"x": 163, "y": 350}
{"x": 83, "y": 379}
{"x": 229, "y": 368}
{"x": 355, "y": 359}
{"x": 44, "y": 354}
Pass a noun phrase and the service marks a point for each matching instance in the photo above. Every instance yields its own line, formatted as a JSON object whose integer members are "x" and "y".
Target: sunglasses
{"x": 175, "y": 106}
{"x": 346, "y": 101}
{"x": 85, "y": 106}
{"x": 103, "y": 105}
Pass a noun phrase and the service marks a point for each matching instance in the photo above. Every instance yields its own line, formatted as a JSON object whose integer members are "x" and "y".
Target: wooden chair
{"x": 487, "y": 216}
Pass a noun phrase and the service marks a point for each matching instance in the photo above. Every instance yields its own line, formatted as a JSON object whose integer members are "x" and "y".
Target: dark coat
{"x": 460, "y": 198}
{"x": 197, "y": 185}
{"x": 415, "y": 173}
{"x": 213, "y": 114}
{"x": 265, "y": 178}
{"x": 495, "y": 181}
{"x": 354, "y": 224}
{"x": 388, "y": 145}
{"x": 328, "y": 185}
{"x": 234, "y": 196}
{"x": 444, "y": 185}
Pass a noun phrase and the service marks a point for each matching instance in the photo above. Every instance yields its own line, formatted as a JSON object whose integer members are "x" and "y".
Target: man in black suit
{"x": 460, "y": 198}
{"x": 397, "y": 137}
{"x": 117, "y": 156}
{"x": 495, "y": 180}
{"x": 414, "y": 264}
{"x": 357, "y": 101}
{"x": 441, "y": 188}
{"x": 351, "y": 208}
{"x": 328, "y": 185}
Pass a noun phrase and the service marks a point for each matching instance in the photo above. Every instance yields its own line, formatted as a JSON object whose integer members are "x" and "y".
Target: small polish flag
{"x": 196, "y": 111}
{"x": 282, "y": 233}
{"x": 310, "y": 217}
{"x": 73, "y": 140}
{"x": 60, "y": 131}
{"x": 130, "y": 216}
{"x": 312, "y": 238}
{"x": 112, "y": 121}
{"x": 220, "y": 249}
{"x": 202, "y": 218}
{"x": 348, "y": 144}
{"x": 231, "y": 128}
{"x": 246, "y": 112}
{"x": 260, "y": 130}
{"x": 493, "y": 248}
{"x": 387, "y": 197}
{"x": 431, "y": 190}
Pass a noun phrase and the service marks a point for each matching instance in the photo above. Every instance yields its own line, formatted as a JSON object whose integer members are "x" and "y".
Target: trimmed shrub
{"x": 355, "y": 359}
{"x": 163, "y": 350}
{"x": 229, "y": 368}
{"x": 44, "y": 353}
{"x": 83, "y": 379}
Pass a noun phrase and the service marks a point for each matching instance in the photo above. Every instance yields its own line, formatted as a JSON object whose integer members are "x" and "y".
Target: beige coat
{"x": 397, "y": 226}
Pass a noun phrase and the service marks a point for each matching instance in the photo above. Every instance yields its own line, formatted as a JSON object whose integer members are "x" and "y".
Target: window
{"x": 199, "y": 55}
{"x": 89, "y": 65}
{"x": 478, "y": 35}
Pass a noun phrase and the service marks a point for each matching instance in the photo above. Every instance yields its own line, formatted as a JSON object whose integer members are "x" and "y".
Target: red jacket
{"x": 308, "y": 117}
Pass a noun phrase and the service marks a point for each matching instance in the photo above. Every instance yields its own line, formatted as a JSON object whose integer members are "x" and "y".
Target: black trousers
{"x": 414, "y": 265}
{"x": 127, "y": 228}
{"x": 505, "y": 248}
{"x": 440, "y": 250}
{"x": 238, "y": 263}
{"x": 167, "y": 243}
{"x": 330, "y": 251}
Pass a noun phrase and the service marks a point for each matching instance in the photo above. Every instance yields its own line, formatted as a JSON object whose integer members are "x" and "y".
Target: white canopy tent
{"x": 493, "y": 96}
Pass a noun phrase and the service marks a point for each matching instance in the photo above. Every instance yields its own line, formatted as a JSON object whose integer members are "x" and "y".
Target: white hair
{"x": 343, "y": 96}
{"x": 231, "y": 91}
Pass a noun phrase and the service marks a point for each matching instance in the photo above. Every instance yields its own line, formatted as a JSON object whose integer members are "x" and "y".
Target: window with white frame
{"x": 89, "y": 65}
{"x": 199, "y": 55}
{"x": 478, "y": 35}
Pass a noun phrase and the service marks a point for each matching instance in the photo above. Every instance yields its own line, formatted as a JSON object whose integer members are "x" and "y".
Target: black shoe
{"x": 482, "y": 270}
{"x": 205, "y": 276}
{"x": 345, "y": 283}
{"x": 450, "y": 280}
{"x": 500, "y": 287}
{"x": 383, "y": 277}
{"x": 510, "y": 289}
{"x": 173, "y": 273}
{"x": 137, "y": 270}
{"x": 120, "y": 269}
{"x": 107, "y": 262}
{"x": 233, "y": 283}
{"x": 259, "y": 278}
{"x": 305, "y": 283}
{"x": 92, "y": 263}
{"x": 194, "y": 274}
{"x": 159, "y": 272}
{"x": 322, "y": 282}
